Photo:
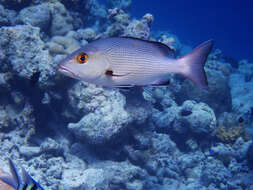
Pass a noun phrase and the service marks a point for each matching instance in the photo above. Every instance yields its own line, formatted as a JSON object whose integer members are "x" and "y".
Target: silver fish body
{"x": 120, "y": 61}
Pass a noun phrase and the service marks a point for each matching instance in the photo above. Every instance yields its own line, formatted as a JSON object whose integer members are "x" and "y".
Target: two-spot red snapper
{"x": 127, "y": 62}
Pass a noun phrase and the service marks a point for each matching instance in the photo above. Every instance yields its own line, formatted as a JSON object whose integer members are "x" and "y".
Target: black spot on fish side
{"x": 112, "y": 74}
{"x": 109, "y": 72}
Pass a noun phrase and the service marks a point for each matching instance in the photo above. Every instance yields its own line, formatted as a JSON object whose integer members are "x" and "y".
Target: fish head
{"x": 87, "y": 64}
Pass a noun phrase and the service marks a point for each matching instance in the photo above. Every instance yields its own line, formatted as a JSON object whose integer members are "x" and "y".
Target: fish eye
{"x": 82, "y": 58}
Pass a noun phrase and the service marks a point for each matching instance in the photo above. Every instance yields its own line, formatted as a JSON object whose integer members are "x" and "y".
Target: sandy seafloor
{"x": 76, "y": 136}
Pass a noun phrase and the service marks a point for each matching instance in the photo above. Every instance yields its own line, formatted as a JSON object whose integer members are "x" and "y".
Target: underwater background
{"x": 73, "y": 135}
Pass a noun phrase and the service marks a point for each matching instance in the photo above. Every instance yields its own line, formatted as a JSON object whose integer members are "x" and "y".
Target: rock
{"x": 193, "y": 117}
{"x": 98, "y": 129}
{"x": 215, "y": 172}
{"x": 242, "y": 94}
{"x": 121, "y": 4}
{"x": 245, "y": 68}
{"x": 38, "y": 16}
{"x": 86, "y": 34}
{"x": 61, "y": 19}
{"x": 171, "y": 41}
{"x": 138, "y": 29}
{"x": 4, "y": 82}
{"x": 148, "y": 18}
{"x": 241, "y": 149}
{"x": 7, "y": 17}
{"x": 88, "y": 179}
{"x": 25, "y": 54}
{"x": 198, "y": 118}
{"x": 135, "y": 185}
{"x": 142, "y": 140}
{"x": 122, "y": 27}
{"x": 105, "y": 116}
{"x": 62, "y": 45}
{"x": 223, "y": 152}
{"x": 135, "y": 156}
{"x": 119, "y": 174}
{"x": 192, "y": 144}
{"x": 50, "y": 168}
{"x": 139, "y": 114}
{"x": 118, "y": 16}
{"x": 114, "y": 30}
{"x": 85, "y": 98}
{"x": 217, "y": 87}
{"x": 164, "y": 120}
{"x": 161, "y": 143}
{"x": 151, "y": 166}
{"x": 15, "y": 4}
{"x": 18, "y": 99}
{"x": 50, "y": 146}
{"x": 94, "y": 178}
{"x": 29, "y": 151}
{"x": 191, "y": 160}
{"x": 6, "y": 123}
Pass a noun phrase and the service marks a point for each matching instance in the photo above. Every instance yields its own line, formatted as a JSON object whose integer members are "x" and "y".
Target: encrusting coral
{"x": 229, "y": 130}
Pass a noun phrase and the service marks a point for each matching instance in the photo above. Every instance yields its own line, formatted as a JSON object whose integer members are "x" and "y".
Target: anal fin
{"x": 124, "y": 87}
{"x": 161, "y": 83}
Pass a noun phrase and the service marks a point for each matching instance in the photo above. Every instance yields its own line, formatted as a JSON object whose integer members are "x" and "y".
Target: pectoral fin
{"x": 111, "y": 73}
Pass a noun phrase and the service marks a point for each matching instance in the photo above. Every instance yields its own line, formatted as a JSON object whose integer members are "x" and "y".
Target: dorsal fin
{"x": 14, "y": 173}
{"x": 167, "y": 51}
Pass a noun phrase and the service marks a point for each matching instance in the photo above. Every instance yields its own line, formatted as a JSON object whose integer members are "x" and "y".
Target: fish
{"x": 125, "y": 62}
{"x": 3, "y": 185}
{"x": 14, "y": 182}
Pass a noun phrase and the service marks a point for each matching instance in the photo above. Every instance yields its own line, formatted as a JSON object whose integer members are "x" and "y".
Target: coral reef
{"x": 7, "y": 17}
{"x": 121, "y": 4}
{"x": 242, "y": 91}
{"x": 217, "y": 87}
{"x": 72, "y": 135}
{"x": 230, "y": 127}
{"x": 193, "y": 118}
{"x": 38, "y": 16}
{"x": 61, "y": 19}
{"x": 23, "y": 60}
{"x": 15, "y": 4}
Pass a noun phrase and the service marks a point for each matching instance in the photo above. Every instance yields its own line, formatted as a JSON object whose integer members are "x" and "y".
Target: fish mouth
{"x": 66, "y": 71}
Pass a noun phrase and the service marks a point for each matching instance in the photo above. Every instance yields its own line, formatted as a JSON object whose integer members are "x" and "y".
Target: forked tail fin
{"x": 193, "y": 64}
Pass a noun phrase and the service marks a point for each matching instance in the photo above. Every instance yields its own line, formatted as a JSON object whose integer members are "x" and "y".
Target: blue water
{"x": 229, "y": 23}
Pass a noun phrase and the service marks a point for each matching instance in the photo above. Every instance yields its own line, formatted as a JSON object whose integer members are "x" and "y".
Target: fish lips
{"x": 65, "y": 71}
